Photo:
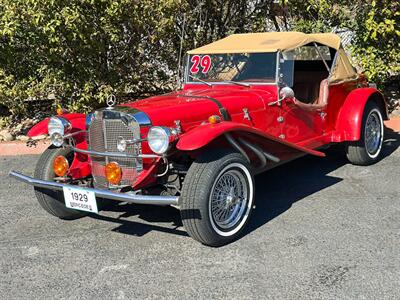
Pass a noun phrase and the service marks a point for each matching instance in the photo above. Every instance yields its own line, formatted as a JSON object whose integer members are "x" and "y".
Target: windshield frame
{"x": 187, "y": 79}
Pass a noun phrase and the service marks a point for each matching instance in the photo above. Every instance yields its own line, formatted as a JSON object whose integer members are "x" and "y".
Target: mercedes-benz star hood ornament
{"x": 111, "y": 101}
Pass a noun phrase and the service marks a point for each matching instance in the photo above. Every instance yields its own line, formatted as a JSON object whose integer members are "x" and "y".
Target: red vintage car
{"x": 250, "y": 102}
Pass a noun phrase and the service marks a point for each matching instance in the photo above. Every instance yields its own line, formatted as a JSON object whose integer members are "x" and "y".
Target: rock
{"x": 4, "y": 131}
{"x": 396, "y": 113}
{"x": 39, "y": 137}
{"x": 7, "y": 137}
{"x": 23, "y": 138}
{"x": 18, "y": 128}
{"x": 27, "y": 123}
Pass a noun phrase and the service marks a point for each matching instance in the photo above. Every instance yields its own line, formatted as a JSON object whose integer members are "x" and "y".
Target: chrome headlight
{"x": 57, "y": 128}
{"x": 158, "y": 139}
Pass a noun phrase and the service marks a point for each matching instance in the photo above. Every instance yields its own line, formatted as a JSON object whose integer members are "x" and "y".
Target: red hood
{"x": 190, "y": 106}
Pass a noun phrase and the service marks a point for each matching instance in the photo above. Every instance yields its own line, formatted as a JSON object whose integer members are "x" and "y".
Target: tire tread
{"x": 196, "y": 187}
{"x": 50, "y": 200}
{"x": 355, "y": 151}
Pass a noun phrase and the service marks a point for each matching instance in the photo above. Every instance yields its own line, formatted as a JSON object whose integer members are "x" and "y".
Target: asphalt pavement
{"x": 322, "y": 229}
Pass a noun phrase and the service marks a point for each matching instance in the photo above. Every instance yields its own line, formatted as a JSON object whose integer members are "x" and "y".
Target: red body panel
{"x": 194, "y": 108}
{"x": 308, "y": 129}
{"x": 285, "y": 130}
{"x": 349, "y": 118}
{"x": 204, "y": 134}
{"x": 337, "y": 96}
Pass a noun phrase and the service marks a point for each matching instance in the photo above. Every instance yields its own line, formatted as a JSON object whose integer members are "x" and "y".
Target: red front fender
{"x": 348, "y": 123}
{"x": 204, "y": 134}
{"x": 78, "y": 122}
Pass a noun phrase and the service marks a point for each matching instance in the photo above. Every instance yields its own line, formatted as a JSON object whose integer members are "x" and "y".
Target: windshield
{"x": 235, "y": 67}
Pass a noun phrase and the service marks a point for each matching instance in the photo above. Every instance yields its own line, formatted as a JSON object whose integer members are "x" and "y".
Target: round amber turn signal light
{"x": 214, "y": 119}
{"x": 113, "y": 173}
{"x": 60, "y": 166}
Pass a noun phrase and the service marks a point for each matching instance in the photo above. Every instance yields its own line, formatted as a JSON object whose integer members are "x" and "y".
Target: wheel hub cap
{"x": 229, "y": 199}
{"x": 373, "y": 133}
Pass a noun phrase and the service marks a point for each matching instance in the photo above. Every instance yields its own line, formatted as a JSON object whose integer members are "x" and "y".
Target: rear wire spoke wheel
{"x": 373, "y": 133}
{"x": 368, "y": 149}
{"x": 217, "y": 198}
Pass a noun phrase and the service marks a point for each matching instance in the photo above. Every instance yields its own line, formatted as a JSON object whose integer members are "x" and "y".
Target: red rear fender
{"x": 348, "y": 123}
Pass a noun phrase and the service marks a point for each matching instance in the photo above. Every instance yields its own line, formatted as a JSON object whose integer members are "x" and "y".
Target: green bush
{"x": 377, "y": 40}
{"x": 79, "y": 51}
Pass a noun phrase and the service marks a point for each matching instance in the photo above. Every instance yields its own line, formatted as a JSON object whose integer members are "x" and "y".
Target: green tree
{"x": 377, "y": 39}
{"x": 81, "y": 50}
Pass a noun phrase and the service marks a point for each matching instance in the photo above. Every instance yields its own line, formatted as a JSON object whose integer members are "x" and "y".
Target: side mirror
{"x": 286, "y": 93}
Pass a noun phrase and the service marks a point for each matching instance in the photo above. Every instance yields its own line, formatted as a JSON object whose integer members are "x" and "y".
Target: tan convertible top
{"x": 267, "y": 42}
{"x": 274, "y": 41}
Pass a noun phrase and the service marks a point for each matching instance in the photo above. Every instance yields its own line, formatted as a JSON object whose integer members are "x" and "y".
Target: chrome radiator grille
{"x": 104, "y": 130}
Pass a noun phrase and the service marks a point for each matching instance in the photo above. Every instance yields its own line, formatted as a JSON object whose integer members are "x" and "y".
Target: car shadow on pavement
{"x": 276, "y": 191}
{"x": 148, "y": 213}
{"x": 391, "y": 142}
{"x": 279, "y": 188}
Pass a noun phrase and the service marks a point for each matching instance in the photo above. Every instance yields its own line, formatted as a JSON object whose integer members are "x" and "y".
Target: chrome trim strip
{"x": 105, "y": 145}
{"x": 142, "y": 118}
{"x": 131, "y": 142}
{"x": 67, "y": 136}
{"x": 124, "y": 197}
{"x": 278, "y": 65}
{"x": 139, "y": 116}
{"x": 113, "y": 154}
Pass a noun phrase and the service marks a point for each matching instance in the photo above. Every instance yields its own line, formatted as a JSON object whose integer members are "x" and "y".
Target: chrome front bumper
{"x": 124, "y": 197}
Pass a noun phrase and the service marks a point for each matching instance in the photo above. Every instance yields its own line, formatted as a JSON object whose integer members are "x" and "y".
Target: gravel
{"x": 322, "y": 229}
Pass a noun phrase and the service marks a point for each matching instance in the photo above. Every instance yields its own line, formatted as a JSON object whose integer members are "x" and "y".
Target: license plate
{"x": 80, "y": 199}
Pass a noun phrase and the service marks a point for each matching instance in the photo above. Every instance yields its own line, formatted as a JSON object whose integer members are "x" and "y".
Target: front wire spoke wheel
{"x": 217, "y": 197}
{"x": 229, "y": 208}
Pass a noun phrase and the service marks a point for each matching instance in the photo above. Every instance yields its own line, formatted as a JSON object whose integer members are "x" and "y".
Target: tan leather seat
{"x": 307, "y": 85}
{"x": 320, "y": 102}
{"x": 323, "y": 93}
